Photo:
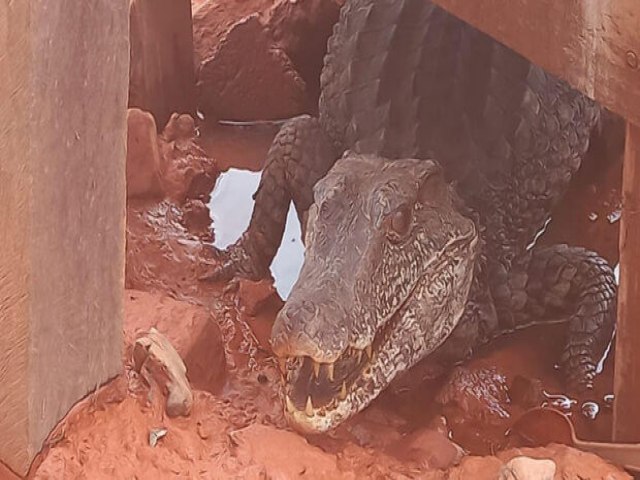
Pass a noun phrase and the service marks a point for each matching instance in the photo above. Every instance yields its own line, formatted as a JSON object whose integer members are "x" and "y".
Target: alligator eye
{"x": 399, "y": 222}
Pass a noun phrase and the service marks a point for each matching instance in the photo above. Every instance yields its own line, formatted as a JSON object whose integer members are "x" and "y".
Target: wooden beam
{"x": 626, "y": 413}
{"x": 63, "y": 95}
{"x": 594, "y": 45}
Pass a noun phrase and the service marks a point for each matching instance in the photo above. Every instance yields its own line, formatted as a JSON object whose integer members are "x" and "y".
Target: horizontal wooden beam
{"x": 594, "y": 45}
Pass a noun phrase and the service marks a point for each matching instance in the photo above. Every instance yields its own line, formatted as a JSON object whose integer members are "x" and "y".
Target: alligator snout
{"x": 310, "y": 328}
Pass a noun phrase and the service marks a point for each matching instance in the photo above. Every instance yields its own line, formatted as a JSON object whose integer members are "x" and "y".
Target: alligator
{"x": 435, "y": 162}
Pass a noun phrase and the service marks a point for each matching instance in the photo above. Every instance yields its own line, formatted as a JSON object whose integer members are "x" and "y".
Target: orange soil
{"x": 238, "y": 431}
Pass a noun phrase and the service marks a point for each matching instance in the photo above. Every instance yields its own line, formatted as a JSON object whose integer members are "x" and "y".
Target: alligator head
{"x": 387, "y": 270}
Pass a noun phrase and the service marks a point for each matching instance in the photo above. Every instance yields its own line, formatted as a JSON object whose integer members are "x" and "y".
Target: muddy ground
{"x": 451, "y": 427}
{"x": 418, "y": 429}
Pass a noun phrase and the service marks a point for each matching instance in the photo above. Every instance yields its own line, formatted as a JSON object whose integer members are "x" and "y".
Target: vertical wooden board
{"x": 626, "y": 413}
{"x": 15, "y": 205}
{"x": 162, "y": 79}
{"x": 63, "y": 100}
{"x": 594, "y": 45}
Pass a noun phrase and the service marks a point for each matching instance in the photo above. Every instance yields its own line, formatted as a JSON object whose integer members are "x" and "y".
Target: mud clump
{"x": 170, "y": 166}
{"x": 302, "y": 29}
{"x": 190, "y": 328}
{"x": 144, "y": 164}
{"x": 526, "y": 392}
{"x": 272, "y": 449}
{"x": 246, "y": 77}
{"x": 254, "y": 297}
{"x": 476, "y": 405}
{"x": 260, "y": 59}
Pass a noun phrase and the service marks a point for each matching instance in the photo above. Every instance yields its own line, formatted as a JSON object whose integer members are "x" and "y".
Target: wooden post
{"x": 162, "y": 65}
{"x": 626, "y": 413}
{"x": 63, "y": 96}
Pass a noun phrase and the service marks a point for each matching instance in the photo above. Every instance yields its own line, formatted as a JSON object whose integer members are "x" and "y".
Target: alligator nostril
{"x": 308, "y": 306}
{"x": 300, "y": 311}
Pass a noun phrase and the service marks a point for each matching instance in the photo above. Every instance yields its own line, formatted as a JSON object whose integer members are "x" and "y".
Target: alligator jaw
{"x": 359, "y": 375}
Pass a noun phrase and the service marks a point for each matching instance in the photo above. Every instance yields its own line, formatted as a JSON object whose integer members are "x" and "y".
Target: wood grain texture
{"x": 626, "y": 413}
{"x": 15, "y": 205}
{"x": 162, "y": 79}
{"x": 594, "y": 45}
{"x": 63, "y": 101}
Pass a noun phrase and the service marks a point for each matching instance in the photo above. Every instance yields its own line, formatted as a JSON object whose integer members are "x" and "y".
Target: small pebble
{"x": 590, "y": 410}
{"x": 608, "y": 400}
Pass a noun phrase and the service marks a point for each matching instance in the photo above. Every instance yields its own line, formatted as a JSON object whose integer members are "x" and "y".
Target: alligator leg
{"x": 300, "y": 155}
{"x": 559, "y": 283}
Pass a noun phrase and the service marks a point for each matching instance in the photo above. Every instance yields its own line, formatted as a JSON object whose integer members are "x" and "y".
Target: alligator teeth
{"x": 330, "y": 368}
{"x": 359, "y": 356}
{"x": 343, "y": 391}
{"x": 289, "y": 403}
{"x": 309, "y": 408}
{"x": 369, "y": 351}
{"x": 316, "y": 368}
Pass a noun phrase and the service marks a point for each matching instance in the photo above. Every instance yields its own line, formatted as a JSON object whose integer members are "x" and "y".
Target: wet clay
{"x": 420, "y": 428}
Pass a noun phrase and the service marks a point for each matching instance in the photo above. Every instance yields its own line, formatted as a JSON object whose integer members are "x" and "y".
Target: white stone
{"x": 526, "y": 468}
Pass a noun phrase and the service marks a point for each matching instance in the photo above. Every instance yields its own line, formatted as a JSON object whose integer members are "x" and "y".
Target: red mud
{"x": 258, "y": 59}
{"x": 419, "y": 428}
{"x": 239, "y": 431}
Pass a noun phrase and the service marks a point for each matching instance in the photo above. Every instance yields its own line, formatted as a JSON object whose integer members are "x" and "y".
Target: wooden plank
{"x": 593, "y": 44}
{"x": 162, "y": 79}
{"x": 63, "y": 95}
{"x": 626, "y": 413}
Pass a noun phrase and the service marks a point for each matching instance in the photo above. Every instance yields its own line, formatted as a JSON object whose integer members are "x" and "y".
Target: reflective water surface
{"x": 231, "y": 206}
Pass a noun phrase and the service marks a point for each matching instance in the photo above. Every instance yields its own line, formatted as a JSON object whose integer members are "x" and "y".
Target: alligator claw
{"x": 234, "y": 262}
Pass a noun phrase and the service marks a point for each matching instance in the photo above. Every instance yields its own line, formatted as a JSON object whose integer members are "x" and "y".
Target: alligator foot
{"x": 563, "y": 283}
{"x": 300, "y": 155}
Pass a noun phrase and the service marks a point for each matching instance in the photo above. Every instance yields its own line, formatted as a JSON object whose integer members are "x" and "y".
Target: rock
{"x": 284, "y": 454}
{"x": 156, "y": 359}
{"x": 162, "y": 78}
{"x": 525, "y": 468}
{"x": 190, "y": 329}
{"x": 247, "y": 77}
{"x": 299, "y": 28}
{"x": 253, "y": 297}
{"x": 144, "y": 164}
{"x": 179, "y": 128}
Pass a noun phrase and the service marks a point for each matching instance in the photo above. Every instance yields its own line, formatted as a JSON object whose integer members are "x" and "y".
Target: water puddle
{"x": 231, "y": 206}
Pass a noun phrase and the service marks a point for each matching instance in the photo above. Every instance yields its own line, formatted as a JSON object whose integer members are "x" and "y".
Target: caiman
{"x": 435, "y": 162}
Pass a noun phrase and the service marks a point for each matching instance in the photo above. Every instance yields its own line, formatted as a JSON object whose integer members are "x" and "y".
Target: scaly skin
{"x": 403, "y": 79}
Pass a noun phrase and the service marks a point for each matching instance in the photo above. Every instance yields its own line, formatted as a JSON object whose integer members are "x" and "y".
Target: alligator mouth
{"x": 319, "y": 396}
